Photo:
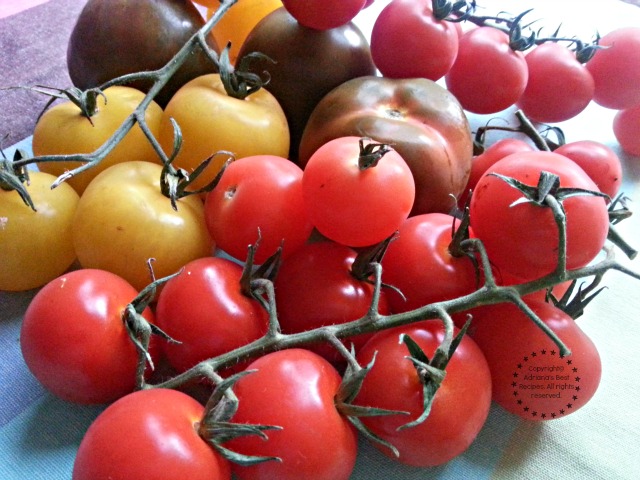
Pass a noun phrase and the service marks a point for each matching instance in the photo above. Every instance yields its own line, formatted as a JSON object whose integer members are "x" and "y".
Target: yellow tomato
{"x": 62, "y": 130}
{"x": 36, "y": 246}
{"x": 211, "y": 120}
{"x": 123, "y": 219}
{"x": 236, "y": 24}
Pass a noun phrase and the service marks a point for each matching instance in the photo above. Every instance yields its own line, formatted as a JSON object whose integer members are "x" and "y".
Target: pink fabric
{"x": 11, "y": 7}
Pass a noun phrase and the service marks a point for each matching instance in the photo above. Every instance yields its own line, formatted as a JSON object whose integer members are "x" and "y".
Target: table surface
{"x": 39, "y": 434}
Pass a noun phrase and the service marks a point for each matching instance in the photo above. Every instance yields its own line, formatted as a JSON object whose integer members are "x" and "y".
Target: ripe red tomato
{"x": 626, "y": 125}
{"x": 323, "y": 14}
{"x": 261, "y": 195}
{"x": 294, "y": 389}
{"x": 205, "y": 310}
{"x": 408, "y": 41}
{"x": 529, "y": 377}
{"x": 150, "y": 434}
{"x": 421, "y": 266}
{"x": 522, "y": 239}
{"x": 559, "y": 86}
{"x": 599, "y": 161}
{"x": 74, "y": 340}
{"x": 349, "y": 202}
{"x": 321, "y": 273}
{"x": 616, "y": 69}
{"x": 487, "y": 76}
{"x": 460, "y": 406}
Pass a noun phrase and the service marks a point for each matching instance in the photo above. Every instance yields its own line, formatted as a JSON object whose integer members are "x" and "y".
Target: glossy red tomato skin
{"x": 460, "y": 407}
{"x": 599, "y": 161}
{"x": 506, "y": 336}
{"x": 258, "y": 196}
{"x": 487, "y": 76}
{"x": 294, "y": 389}
{"x": 523, "y": 239}
{"x": 408, "y": 41}
{"x": 418, "y": 262}
{"x": 558, "y": 88}
{"x": 626, "y": 125}
{"x": 204, "y": 309}
{"x": 616, "y": 69}
{"x": 350, "y": 205}
{"x": 150, "y": 434}
{"x": 323, "y": 14}
{"x": 74, "y": 341}
{"x": 320, "y": 274}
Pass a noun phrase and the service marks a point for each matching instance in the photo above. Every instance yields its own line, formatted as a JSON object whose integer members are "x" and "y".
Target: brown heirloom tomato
{"x": 309, "y": 63}
{"x": 419, "y": 118}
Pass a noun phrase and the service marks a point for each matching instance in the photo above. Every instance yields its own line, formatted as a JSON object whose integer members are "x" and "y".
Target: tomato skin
{"x": 294, "y": 389}
{"x": 558, "y": 87}
{"x": 323, "y": 14}
{"x": 62, "y": 130}
{"x": 506, "y": 336}
{"x": 423, "y": 122}
{"x": 211, "y": 120}
{"x": 523, "y": 239}
{"x": 259, "y": 195}
{"x": 625, "y": 128}
{"x": 162, "y": 425}
{"x": 419, "y": 264}
{"x": 309, "y": 64}
{"x": 36, "y": 246}
{"x": 320, "y": 273}
{"x": 123, "y": 220}
{"x": 599, "y": 161}
{"x": 616, "y": 69}
{"x": 74, "y": 341}
{"x": 350, "y": 205}
{"x": 460, "y": 407}
{"x": 487, "y": 76}
{"x": 407, "y": 41}
{"x": 204, "y": 309}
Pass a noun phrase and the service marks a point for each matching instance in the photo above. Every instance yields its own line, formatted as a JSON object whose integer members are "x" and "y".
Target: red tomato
{"x": 522, "y": 239}
{"x": 348, "y": 202}
{"x": 529, "y": 377}
{"x": 150, "y": 435}
{"x": 74, "y": 339}
{"x": 421, "y": 266}
{"x": 294, "y": 389}
{"x": 320, "y": 274}
{"x": 262, "y": 193}
{"x": 487, "y": 76}
{"x": 205, "y": 310}
{"x": 460, "y": 406}
{"x": 599, "y": 161}
{"x": 408, "y": 41}
{"x": 559, "y": 87}
{"x": 616, "y": 69}
{"x": 323, "y": 14}
{"x": 626, "y": 125}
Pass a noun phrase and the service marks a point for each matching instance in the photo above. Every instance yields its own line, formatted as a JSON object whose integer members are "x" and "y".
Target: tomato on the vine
{"x": 293, "y": 389}
{"x": 346, "y": 186}
{"x": 74, "y": 339}
{"x": 460, "y": 406}
{"x": 408, "y": 41}
{"x": 323, "y": 14}
{"x": 151, "y": 435}
{"x": 625, "y": 128}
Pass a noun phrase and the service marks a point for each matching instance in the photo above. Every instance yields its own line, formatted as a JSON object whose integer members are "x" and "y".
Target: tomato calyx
{"x": 13, "y": 177}
{"x": 253, "y": 277}
{"x": 456, "y": 11}
{"x": 371, "y": 153}
{"x": 618, "y": 211}
{"x": 238, "y": 81}
{"x": 573, "y": 303}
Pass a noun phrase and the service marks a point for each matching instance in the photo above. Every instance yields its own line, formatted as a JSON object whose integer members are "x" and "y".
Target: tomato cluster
{"x": 315, "y": 191}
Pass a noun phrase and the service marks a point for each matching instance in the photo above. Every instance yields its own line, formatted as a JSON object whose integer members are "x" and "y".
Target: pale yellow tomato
{"x": 211, "y": 121}
{"x": 123, "y": 219}
{"x": 63, "y": 130}
{"x": 236, "y": 24}
{"x": 36, "y": 246}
